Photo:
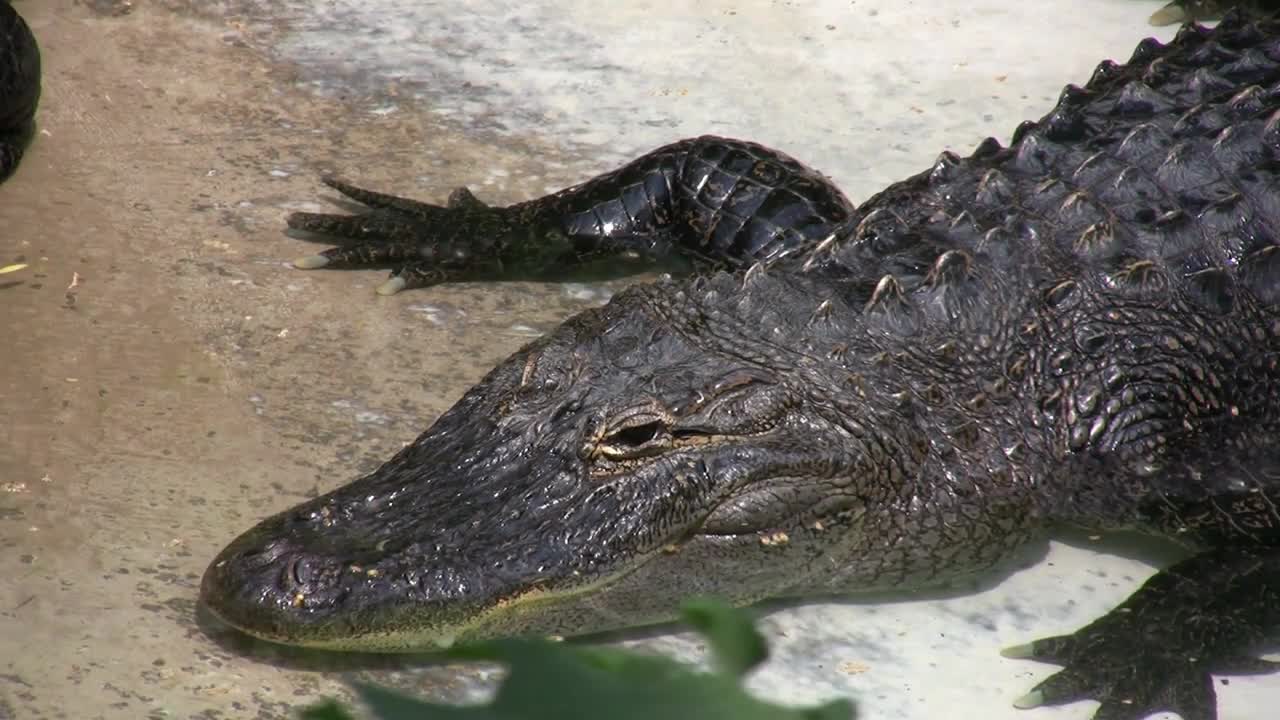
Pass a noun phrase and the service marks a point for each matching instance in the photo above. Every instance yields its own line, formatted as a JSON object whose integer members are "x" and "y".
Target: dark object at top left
{"x": 19, "y": 87}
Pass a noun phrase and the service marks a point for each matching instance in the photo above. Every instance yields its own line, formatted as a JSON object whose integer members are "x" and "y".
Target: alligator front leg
{"x": 1202, "y": 615}
{"x": 1156, "y": 651}
{"x": 716, "y": 201}
{"x": 429, "y": 244}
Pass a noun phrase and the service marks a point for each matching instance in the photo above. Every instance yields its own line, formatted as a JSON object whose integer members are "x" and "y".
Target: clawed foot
{"x": 1129, "y": 687}
{"x": 428, "y": 244}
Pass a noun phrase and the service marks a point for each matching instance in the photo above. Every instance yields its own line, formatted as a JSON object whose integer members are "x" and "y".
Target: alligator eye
{"x": 637, "y": 440}
{"x": 635, "y": 436}
{"x": 300, "y": 571}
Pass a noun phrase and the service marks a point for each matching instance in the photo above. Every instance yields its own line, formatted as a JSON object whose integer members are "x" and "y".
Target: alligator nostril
{"x": 259, "y": 555}
{"x": 300, "y": 571}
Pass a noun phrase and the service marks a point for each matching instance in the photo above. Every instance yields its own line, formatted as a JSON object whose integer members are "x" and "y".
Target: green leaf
{"x": 565, "y": 681}
{"x": 736, "y": 646}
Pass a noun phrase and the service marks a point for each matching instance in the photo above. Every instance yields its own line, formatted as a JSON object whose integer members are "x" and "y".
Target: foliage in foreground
{"x": 548, "y": 679}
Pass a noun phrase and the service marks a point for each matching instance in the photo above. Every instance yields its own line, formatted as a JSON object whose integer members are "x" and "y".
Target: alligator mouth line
{"x": 505, "y": 611}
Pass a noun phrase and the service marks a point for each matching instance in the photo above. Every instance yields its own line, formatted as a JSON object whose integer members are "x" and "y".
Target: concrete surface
{"x": 167, "y": 379}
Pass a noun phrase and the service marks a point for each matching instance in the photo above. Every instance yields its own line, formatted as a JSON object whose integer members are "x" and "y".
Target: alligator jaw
{"x": 407, "y": 558}
{"x": 583, "y": 485}
{"x": 280, "y": 609}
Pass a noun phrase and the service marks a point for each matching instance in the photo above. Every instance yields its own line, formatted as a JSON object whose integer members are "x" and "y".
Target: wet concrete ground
{"x": 167, "y": 378}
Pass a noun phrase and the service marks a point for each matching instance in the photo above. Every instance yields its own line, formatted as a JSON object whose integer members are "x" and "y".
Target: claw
{"x": 1245, "y": 665}
{"x": 1033, "y": 699}
{"x": 1170, "y": 14}
{"x": 392, "y": 286}
{"x": 311, "y": 262}
{"x": 1019, "y": 652}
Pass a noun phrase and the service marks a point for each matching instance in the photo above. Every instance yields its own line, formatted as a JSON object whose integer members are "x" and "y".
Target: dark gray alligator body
{"x": 19, "y": 87}
{"x": 1081, "y": 328}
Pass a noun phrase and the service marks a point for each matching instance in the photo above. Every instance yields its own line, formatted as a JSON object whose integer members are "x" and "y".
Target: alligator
{"x": 1078, "y": 329}
{"x": 19, "y": 87}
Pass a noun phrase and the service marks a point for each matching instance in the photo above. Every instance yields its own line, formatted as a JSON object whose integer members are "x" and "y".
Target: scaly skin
{"x": 19, "y": 87}
{"x": 777, "y": 207}
{"x": 1082, "y": 328}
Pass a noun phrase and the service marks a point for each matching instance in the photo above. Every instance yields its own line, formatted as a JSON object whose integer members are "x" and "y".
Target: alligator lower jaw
{"x": 386, "y": 642}
{"x": 416, "y": 634}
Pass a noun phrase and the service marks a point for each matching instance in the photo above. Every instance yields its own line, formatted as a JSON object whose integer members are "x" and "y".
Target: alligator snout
{"x": 262, "y": 584}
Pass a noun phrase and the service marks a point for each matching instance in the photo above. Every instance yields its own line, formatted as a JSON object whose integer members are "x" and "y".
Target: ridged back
{"x": 1158, "y": 176}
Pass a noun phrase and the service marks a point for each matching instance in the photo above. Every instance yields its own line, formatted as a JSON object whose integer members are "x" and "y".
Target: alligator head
{"x": 645, "y": 451}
